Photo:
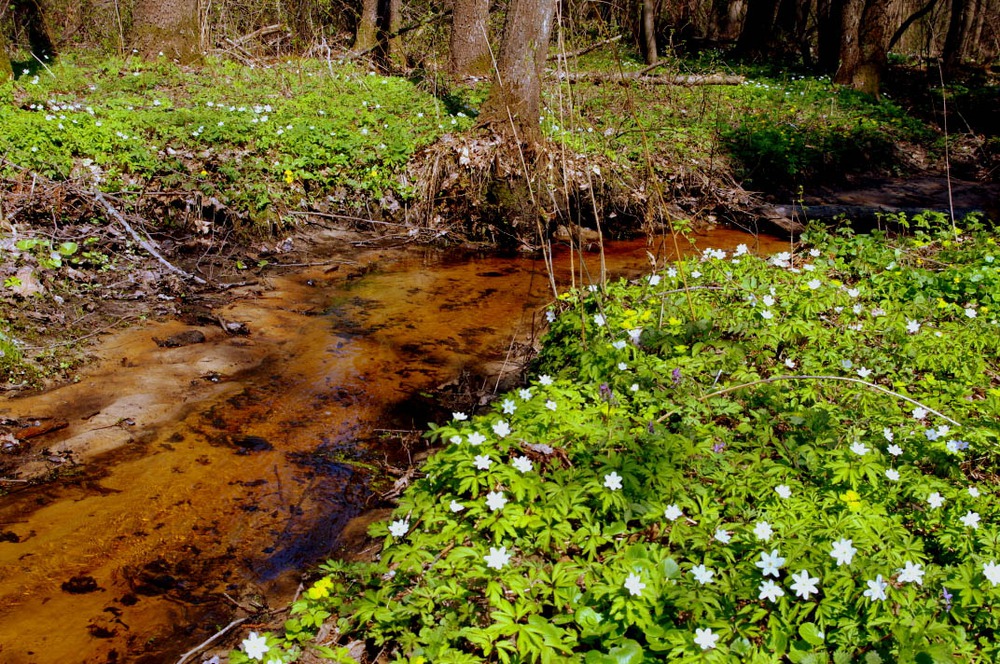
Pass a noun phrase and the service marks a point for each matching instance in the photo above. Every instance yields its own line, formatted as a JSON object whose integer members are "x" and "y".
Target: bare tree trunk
{"x": 724, "y": 24}
{"x": 393, "y": 44}
{"x": 515, "y": 97}
{"x": 6, "y": 72}
{"x": 959, "y": 27}
{"x": 168, "y": 27}
{"x": 647, "y": 31}
{"x": 470, "y": 47}
{"x": 367, "y": 31}
{"x": 758, "y": 28}
{"x": 863, "y": 54}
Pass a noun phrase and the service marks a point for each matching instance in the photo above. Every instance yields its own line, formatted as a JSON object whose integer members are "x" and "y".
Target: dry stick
{"x": 584, "y": 50}
{"x": 145, "y": 244}
{"x": 204, "y": 644}
{"x": 879, "y": 388}
{"x": 947, "y": 160}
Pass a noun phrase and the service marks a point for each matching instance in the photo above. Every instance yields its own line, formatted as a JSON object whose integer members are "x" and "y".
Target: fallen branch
{"x": 145, "y": 244}
{"x": 204, "y": 644}
{"x": 584, "y": 50}
{"x": 688, "y": 80}
{"x": 261, "y": 32}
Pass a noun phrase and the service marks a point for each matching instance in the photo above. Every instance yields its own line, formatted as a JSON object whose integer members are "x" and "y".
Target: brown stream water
{"x": 130, "y": 555}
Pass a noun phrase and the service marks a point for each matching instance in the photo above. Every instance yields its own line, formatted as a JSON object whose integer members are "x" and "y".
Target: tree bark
{"x": 515, "y": 97}
{"x": 959, "y": 26}
{"x": 724, "y": 24}
{"x": 6, "y": 72}
{"x": 392, "y": 48}
{"x": 168, "y": 27}
{"x": 469, "y": 45}
{"x": 367, "y": 31}
{"x": 647, "y": 31}
{"x": 758, "y": 28}
{"x": 30, "y": 14}
{"x": 865, "y": 38}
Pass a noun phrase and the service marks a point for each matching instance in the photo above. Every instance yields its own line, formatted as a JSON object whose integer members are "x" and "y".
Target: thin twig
{"x": 204, "y": 644}
{"x": 847, "y": 379}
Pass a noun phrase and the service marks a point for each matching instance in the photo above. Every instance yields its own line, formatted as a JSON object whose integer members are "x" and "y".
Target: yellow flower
{"x": 984, "y": 309}
{"x": 852, "y": 498}
{"x": 204, "y": 172}
{"x": 673, "y": 321}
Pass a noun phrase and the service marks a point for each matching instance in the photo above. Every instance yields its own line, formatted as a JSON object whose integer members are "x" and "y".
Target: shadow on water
{"x": 248, "y": 455}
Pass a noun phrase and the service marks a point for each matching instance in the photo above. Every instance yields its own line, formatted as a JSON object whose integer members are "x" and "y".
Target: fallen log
{"x": 687, "y": 80}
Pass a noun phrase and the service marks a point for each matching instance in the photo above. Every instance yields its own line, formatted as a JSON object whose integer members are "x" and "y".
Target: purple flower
{"x": 676, "y": 373}
{"x": 946, "y": 597}
{"x": 605, "y": 391}
{"x": 718, "y": 447}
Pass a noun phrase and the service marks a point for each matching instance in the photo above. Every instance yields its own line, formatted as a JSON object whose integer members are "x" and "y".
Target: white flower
{"x": 768, "y": 300}
{"x": 843, "y": 551}
{"x": 971, "y": 520}
{"x": 790, "y": 363}
{"x": 992, "y": 572}
{"x": 524, "y": 393}
{"x": 970, "y": 312}
{"x": 770, "y": 590}
{"x": 672, "y": 513}
{"x": 723, "y": 536}
{"x": 622, "y": 366}
{"x": 814, "y": 253}
{"x": 476, "y": 438}
{"x": 399, "y": 528}
{"x": 932, "y": 434}
{"x": 876, "y": 589}
{"x": 654, "y": 279}
{"x": 455, "y": 440}
{"x": 456, "y": 506}
{"x": 847, "y": 364}
{"x": 620, "y": 344}
{"x": 550, "y": 404}
{"x": 864, "y": 372}
{"x": 255, "y": 646}
{"x": 634, "y": 335}
{"x": 672, "y": 272}
{"x": 912, "y": 326}
{"x": 804, "y": 585}
{"x": 763, "y": 530}
{"x": 461, "y": 417}
{"x": 613, "y": 481}
{"x": 919, "y": 413}
{"x": 509, "y": 407}
{"x": 911, "y": 573}
{"x": 634, "y": 584}
{"x": 495, "y": 500}
{"x": 705, "y": 638}
{"x": 892, "y": 474}
{"x": 770, "y": 563}
{"x": 545, "y": 379}
{"x": 894, "y": 450}
{"x": 888, "y": 434}
{"x": 859, "y": 448}
{"x": 741, "y": 249}
{"x": 497, "y": 558}
{"x": 550, "y": 316}
{"x": 501, "y": 428}
{"x": 853, "y": 292}
{"x": 522, "y": 463}
{"x": 783, "y": 491}
{"x": 973, "y": 491}
{"x": 695, "y": 274}
{"x": 935, "y": 500}
{"x": 702, "y": 574}
{"x": 815, "y": 283}
{"x": 599, "y": 320}
{"x": 766, "y": 314}
{"x": 634, "y": 387}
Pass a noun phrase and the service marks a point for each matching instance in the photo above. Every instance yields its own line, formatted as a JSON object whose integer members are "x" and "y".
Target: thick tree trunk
{"x": 515, "y": 97}
{"x": 30, "y": 14}
{"x": 169, "y": 27}
{"x": 367, "y": 31}
{"x": 470, "y": 47}
{"x": 647, "y": 31}
{"x": 6, "y": 73}
{"x": 829, "y": 34}
{"x": 758, "y": 28}
{"x": 724, "y": 25}
{"x": 863, "y": 54}
{"x": 392, "y": 43}
{"x": 959, "y": 27}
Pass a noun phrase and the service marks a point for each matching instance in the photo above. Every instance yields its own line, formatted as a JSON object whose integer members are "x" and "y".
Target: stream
{"x": 200, "y": 477}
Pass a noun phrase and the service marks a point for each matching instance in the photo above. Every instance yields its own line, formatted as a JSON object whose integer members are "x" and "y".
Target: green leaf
{"x": 810, "y": 634}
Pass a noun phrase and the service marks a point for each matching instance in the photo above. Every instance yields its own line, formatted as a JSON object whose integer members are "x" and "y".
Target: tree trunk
{"x": 6, "y": 72}
{"x": 758, "y": 28}
{"x": 514, "y": 99}
{"x": 959, "y": 26}
{"x": 367, "y": 31}
{"x": 167, "y": 27}
{"x": 863, "y": 54}
{"x": 829, "y": 34}
{"x": 392, "y": 43}
{"x": 647, "y": 31}
{"x": 470, "y": 46}
{"x": 724, "y": 24}
{"x": 30, "y": 14}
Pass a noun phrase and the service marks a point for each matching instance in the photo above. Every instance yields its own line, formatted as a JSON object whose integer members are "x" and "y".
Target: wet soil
{"x": 197, "y": 480}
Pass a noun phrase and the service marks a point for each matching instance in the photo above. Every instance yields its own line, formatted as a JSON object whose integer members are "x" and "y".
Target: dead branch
{"x": 688, "y": 80}
{"x": 261, "y": 32}
{"x": 142, "y": 242}
{"x": 582, "y": 51}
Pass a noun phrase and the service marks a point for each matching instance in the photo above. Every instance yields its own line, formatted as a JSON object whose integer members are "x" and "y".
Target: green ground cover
{"x": 735, "y": 459}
